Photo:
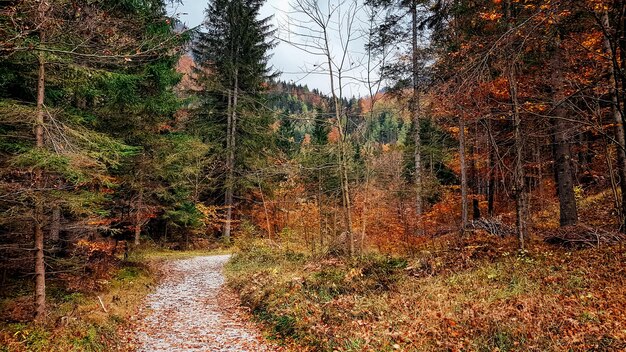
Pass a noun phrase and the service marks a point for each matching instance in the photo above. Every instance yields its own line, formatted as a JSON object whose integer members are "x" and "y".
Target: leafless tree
{"x": 327, "y": 31}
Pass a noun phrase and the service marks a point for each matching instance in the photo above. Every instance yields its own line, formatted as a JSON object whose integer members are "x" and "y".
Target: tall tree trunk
{"x": 519, "y": 189}
{"x": 563, "y": 168}
{"x": 609, "y": 164}
{"x": 491, "y": 185}
{"x": 463, "y": 173}
{"x": 345, "y": 186}
{"x": 416, "y": 111}
{"x": 365, "y": 200}
{"x": 138, "y": 207}
{"x": 230, "y": 163}
{"x": 267, "y": 214}
{"x": 475, "y": 182}
{"x": 619, "y": 119}
{"x": 40, "y": 266}
{"x": 343, "y": 161}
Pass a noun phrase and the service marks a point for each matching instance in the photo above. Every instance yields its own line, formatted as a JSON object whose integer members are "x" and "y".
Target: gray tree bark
{"x": 230, "y": 163}
{"x": 618, "y": 117}
{"x": 564, "y": 172}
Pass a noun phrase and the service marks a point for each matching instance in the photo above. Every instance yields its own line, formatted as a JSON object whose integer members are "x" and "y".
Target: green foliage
{"x": 91, "y": 340}
{"x": 436, "y": 149}
{"x": 232, "y": 58}
{"x": 34, "y": 339}
{"x": 185, "y": 215}
{"x": 129, "y": 273}
{"x": 34, "y": 159}
{"x": 283, "y": 325}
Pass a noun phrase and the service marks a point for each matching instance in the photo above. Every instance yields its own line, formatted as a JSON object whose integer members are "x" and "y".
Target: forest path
{"x": 190, "y": 311}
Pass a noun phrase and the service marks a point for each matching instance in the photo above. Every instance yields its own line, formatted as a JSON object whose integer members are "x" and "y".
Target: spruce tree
{"x": 55, "y": 161}
{"x": 233, "y": 57}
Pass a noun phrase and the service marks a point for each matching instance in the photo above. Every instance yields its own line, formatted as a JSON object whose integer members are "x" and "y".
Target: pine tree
{"x": 233, "y": 54}
{"x": 54, "y": 53}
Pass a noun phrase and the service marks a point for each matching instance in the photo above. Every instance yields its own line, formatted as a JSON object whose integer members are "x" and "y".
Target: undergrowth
{"x": 473, "y": 294}
{"x": 77, "y": 321}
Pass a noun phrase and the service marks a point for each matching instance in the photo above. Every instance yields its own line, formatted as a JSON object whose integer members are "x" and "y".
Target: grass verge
{"x": 473, "y": 295}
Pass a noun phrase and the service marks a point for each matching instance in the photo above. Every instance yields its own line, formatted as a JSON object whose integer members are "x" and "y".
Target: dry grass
{"x": 473, "y": 294}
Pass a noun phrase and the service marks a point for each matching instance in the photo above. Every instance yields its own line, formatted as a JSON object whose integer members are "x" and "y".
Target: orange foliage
{"x": 333, "y": 135}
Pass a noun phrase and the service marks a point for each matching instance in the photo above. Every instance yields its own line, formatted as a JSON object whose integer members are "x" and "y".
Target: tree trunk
{"x": 267, "y": 215}
{"x": 564, "y": 177}
{"x": 474, "y": 183}
{"x": 345, "y": 187}
{"x": 563, "y": 168}
{"x": 491, "y": 186}
{"x": 40, "y": 266}
{"x": 230, "y": 163}
{"x": 463, "y": 173}
{"x": 476, "y": 209}
{"x": 416, "y": 111}
{"x": 618, "y": 117}
{"x": 138, "y": 207}
{"x": 519, "y": 189}
{"x": 365, "y": 200}
{"x": 319, "y": 208}
{"x": 55, "y": 225}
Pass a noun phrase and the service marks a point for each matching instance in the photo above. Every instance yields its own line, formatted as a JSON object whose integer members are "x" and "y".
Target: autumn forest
{"x": 438, "y": 175}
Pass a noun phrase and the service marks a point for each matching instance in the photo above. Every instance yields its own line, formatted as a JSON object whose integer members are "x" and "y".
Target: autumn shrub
{"x": 88, "y": 266}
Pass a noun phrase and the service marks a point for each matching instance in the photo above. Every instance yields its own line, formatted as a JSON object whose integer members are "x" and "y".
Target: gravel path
{"x": 190, "y": 311}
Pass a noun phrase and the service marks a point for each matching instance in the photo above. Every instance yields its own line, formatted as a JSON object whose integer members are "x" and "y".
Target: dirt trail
{"x": 190, "y": 311}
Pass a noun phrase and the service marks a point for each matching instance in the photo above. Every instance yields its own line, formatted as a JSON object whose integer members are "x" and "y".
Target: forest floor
{"x": 471, "y": 293}
{"x": 191, "y": 311}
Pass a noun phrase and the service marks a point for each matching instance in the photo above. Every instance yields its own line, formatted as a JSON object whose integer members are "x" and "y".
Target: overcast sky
{"x": 291, "y": 61}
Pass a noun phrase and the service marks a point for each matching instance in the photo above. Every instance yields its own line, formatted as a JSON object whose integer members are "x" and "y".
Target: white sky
{"x": 291, "y": 61}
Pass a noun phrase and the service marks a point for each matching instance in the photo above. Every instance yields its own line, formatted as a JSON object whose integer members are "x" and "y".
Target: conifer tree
{"x": 54, "y": 54}
{"x": 233, "y": 54}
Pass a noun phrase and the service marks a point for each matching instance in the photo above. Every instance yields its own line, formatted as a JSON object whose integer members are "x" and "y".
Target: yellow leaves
{"x": 591, "y": 40}
{"x": 598, "y": 5}
{"x": 499, "y": 88}
{"x": 490, "y": 16}
{"x": 535, "y": 107}
{"x": 211, "y": 215}
{"x": 353, "y": 273}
